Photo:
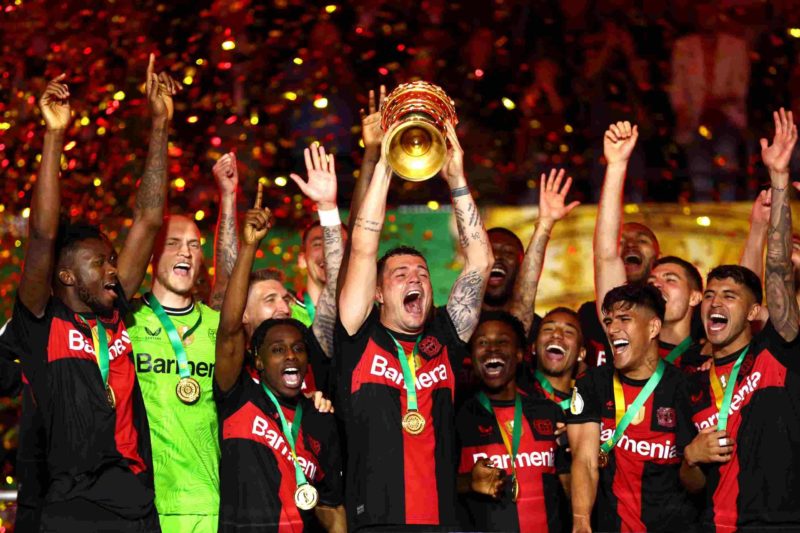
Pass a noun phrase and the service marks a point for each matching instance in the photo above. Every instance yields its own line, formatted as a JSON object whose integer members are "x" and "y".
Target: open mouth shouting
{"x": 716, "y": 322}
{"x": 110, "y": 289}
{"x": 555, "y": 352}
{"x": 633, "y": 261}
{"x": 412, "y": 302}
{"x": 498, "y": 275}
{"x": 182, "y": 269}
{"x": 292, "y": 377}
{"x": 493, "y": 367}
{"x": 619, "y": 346}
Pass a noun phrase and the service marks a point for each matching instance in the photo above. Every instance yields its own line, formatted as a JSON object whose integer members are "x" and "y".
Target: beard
{"x": 93, "y": 303}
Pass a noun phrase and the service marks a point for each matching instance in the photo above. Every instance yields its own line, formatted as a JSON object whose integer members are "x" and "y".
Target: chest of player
{"x": 761, "y": 380}
{"x": 651, "y": 433}
{"x": 256, "y": 425}
{"x": 380, "y": 369}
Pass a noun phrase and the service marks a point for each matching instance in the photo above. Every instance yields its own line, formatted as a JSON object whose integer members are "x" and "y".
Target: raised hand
{"x": 759, "y": 215}
{"x": 619, "y": 141}
{"x": 776, "y": 156}
{"x": 487, "y": 479}
{"x": 226, "y": 174}
{"x": 54, "y": 104}
{"x": 371, "y": 130}
{"x": 257, "y": 221}
{"x": 321, "y": 185}
{"x": 552, "y": 197}
{"x": 453, "y": 169}
{"x": 160, "y": 89}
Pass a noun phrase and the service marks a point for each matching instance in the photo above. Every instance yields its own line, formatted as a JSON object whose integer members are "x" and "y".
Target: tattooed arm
{"x": 34, "y": 288}
{"x": 466, "y": 296}
{"x": 783, "y": 310}
{"x": 321, "y": 188}
{"x": 148, "y": 213}
{"x": 552, "y": 208}
{"x": 225, "y": 243}
{"x": 753, "y": 253}
{"x": 609, "y": 268}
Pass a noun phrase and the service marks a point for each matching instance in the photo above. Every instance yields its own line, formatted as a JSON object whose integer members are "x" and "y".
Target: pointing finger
{"x": 258, "y": 195}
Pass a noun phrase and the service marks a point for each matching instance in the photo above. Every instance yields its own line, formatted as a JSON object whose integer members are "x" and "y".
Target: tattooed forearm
{"x": 325, "y": 316}
{"x": 225, "y": 246}
{"x": 153, "y": 187}
{"x": 374, "y": 226}
{"x": 523, "y": 299}
{"x": 783, "y": 310}
{"x": 464, "y": 305}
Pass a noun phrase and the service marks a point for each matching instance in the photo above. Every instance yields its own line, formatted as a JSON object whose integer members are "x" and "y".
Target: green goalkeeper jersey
{"x": 184, "y": 437}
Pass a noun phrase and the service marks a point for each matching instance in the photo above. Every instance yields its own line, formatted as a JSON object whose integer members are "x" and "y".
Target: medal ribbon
{"x": 100, "y": 341}
{"x": 550, "y": 392}
{"x": 623, "y": 416}
{"x": 722, "y": 397}
{"x": 310, "y": 307}
{"x": 409, "y": 366}
{"x": 516, "y": 436}
{"x": 290, "y": 434}
{"x": 172, "y": 333}
{"x": 679, "y": 350}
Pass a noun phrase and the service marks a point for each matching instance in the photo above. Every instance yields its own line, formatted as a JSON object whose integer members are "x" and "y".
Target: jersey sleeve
{"x": 330, "y": 486}
{"x": 787, "y": 353}
{"x": 320, "y": 364}
{"x": 587, "y": 389}
{"x": 685, "y": 430}
{"x": 31, "y": 334}
{"x": 230, "y": 401}
{"x": 563, "y": 457}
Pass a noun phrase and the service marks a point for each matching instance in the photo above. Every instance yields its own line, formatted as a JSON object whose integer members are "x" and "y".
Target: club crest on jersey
{"x": 510, "y": 428}
{"x": 543, "y": 426}
{"x": 666, "y": 417}
{"x": 188, "y": 340}
{"x": 314, "y": 444}
{"x": 152, "y": 332}
{"x": 212, "y": 334}
{"x": 430, "y": 346}
{"x": 637, "y": 419}
{"x": 747, "y": 364}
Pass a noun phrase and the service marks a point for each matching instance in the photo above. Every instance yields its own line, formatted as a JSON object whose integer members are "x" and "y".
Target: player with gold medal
{"x": 413, "y": 422}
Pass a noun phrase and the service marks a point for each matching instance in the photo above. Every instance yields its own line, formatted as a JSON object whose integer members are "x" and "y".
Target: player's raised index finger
{"x": 259, "y": 192}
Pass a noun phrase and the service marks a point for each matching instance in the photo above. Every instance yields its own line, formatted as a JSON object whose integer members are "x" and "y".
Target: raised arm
{"x": 34, "y": 288}
{"x": 321, "y": 189}
{"x": 231, "y": 341}
{"x": 226, "y": 175}
{"x": 148, "y": 212}
{"x": 609, "y": 268}
{"x": 466, "y": 296}
{"x": 357, "y": 294}
{"x": 753, "y": 253}
{"x": 584, "y": 441}
{"x": 552, "y": 208}
{"x": 781, "y": 301}
{"x": 372, "y": 135}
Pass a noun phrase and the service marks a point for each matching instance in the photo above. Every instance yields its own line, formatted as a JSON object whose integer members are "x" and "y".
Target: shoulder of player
{"x": 315, "y": 422}
{"x": 537, "y": 407}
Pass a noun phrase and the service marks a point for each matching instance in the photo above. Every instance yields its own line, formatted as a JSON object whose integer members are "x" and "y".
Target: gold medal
{"x": 306, "y": 497}
{"x": 111, "y": 397}
{"x": 514, "y": 489}
{"x": 188, "y": 391}
{"x": 602, "y": 459}
{"x": 413, "y": 422}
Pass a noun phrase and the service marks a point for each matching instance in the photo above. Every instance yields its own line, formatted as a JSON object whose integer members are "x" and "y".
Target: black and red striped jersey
{"x": 256, "y": 470}
{"x": 94, "y": 452}
{"x": 759, "y": 489}
{"x": 640, "y": 489}
{"x": 394, "y": 478}
{"x": 538, "y": 462}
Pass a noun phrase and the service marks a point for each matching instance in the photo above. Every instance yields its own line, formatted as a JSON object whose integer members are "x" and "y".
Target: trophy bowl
{"x": 414, "y": 117}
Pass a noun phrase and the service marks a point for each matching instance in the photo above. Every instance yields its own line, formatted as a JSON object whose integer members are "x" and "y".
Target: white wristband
{"x": 329, "y": 217}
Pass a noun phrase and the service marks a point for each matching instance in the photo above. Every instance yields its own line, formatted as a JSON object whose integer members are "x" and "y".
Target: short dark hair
{"x": 266, "y": 274}
{"x": 567, "y": 311}
{"x": 261, "y": 331}
{"x": 316, "y": 224}
{"x": 507, "y": 318}
{"x": 692, "y": 274}
{"x": 398, "y": 250}
{"x": 505, "y": 231}
{"x": 741, "y": 275}
{"x": 635, "y": 294}
{"x": 71, "y": 234}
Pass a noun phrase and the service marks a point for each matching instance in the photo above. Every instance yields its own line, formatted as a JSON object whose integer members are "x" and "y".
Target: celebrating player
{"x": 746, "y": 405}
{"x": 631, "y": 421}
{"x": 280, "y": 456}
{"x": 509, "y": 457}
{"x": 396, "y": 361}
{"x": 68, "y": 320}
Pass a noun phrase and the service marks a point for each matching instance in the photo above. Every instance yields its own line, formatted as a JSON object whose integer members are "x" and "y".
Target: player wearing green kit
{"x": 173, "y": 339}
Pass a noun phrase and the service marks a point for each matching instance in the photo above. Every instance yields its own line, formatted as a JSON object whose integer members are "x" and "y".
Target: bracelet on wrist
{"x": 459, "y": 191}
{"x": 329, "y": 217}
{"x": 779, "y": 189}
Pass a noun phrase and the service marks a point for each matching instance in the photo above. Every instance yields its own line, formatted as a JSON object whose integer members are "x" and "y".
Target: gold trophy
{"x": 413, "y": 118}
